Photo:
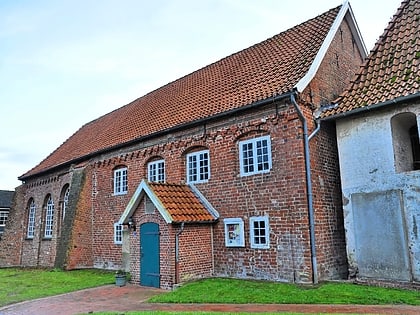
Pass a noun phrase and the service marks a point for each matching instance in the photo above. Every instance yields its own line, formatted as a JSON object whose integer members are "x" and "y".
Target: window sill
{"x": 120, "y": 194}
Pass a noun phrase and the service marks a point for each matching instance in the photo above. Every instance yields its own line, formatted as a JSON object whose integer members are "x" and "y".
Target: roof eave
{"x": 196, "y": 222}
{"x": 395, "y": 101}
{"x": 199, "y": 122}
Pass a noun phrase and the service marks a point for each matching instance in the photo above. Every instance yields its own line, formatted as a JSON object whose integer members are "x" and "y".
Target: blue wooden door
{"x": 149, "y": 255}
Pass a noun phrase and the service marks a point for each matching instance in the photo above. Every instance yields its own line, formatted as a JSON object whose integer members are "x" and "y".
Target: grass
{"x": 18, "y": 284}
{"x": 201, "y": 313}
{"x": 26, "y": 284}
{"x": 221, "y": 290}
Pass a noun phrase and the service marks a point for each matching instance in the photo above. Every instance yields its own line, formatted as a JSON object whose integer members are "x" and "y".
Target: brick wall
{"x": 11, "y": 240}
{"x": 329, "y": 221}
{"x": 279, "y": 194}
{"x": 38, "y": 251}
{"x": 339, "y": 66}
{"x": 78, "y": 242}
{"x": 195, "y": 252}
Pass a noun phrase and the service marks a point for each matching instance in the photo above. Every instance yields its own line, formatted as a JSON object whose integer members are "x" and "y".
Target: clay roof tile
{"x": 392, "y": 68}
{"x": 181, "y": 203}
{"x": 272, "y": 67}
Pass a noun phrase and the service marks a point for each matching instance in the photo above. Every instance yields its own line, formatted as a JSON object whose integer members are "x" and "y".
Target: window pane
{"x": 49, "y": 218}
{"x": 198, "y": 167}
{"x": 120, "y": 181}
{"x": 259, "y": 232}
{"x": 3, "y": 217}
{"x": 65, "y": 202}
{"x": 255, "y": 155}
{"x": 192, "y": 168}
{"x": 117, "y": 233}
{"x": 31, "y": 220}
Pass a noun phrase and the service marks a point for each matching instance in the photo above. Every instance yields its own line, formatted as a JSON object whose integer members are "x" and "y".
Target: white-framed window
{"x": 49, "y": 218}
{"x": 118, "y": 233}
{"x": 65, "y": 203}
{"x": 198, "y": 167}
{"x": 234, "y": 232}
{"x": 120, "y": 181}
{"x": 255, "y": 156}
{"x": 31, "y": 220}
{"x": 4, "y": 214}
{"x": 259, "y": 232}
{"x": 156, "y": 171}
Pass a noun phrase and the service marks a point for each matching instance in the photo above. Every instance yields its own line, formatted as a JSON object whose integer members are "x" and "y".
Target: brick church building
{"x": 223, "y": 172}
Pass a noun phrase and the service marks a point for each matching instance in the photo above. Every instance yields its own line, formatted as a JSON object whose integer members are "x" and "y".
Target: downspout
{"x": 308, "y": 186}
{"x": 177, "y": 253}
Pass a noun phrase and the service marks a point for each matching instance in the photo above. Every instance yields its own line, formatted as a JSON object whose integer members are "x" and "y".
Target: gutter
{"x": 308, "y": 186}
{"x": 177, "y": 253}
{"x": 356, "y": 111}
{"x": 173, "y": 129}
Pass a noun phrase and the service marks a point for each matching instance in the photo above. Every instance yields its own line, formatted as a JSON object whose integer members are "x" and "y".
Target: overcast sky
{"x": 65, "y": 63}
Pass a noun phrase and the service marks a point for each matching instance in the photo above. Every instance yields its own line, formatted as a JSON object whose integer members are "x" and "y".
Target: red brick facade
{"x": 85, "y": 237}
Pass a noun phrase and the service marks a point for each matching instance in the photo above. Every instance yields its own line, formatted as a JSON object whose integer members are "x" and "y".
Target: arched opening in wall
{"x": 155, "y": 169}
{"x": 405, "y": 141}
{"x": 64, "y": 200}
{"x": 197, "y": 165}
{"x": 49, "y": 216}
{"x": 30, "y": 224}
{"x": 120, "y": 180}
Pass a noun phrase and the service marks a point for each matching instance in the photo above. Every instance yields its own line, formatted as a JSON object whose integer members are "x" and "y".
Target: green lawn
{"x": 18, "y": 285}
{"x": 221, "y": 290}
{"x": 26, "y": 284}
{"x": 201, "y": 313}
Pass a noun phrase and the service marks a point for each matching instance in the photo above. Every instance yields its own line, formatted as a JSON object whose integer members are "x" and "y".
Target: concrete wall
{"x": 380, "y": 202}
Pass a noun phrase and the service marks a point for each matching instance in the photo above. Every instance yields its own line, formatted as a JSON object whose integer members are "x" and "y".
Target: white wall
{"x": 367, "y": 170}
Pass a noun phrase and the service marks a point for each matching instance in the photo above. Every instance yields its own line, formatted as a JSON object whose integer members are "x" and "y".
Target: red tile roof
{"x": 272, "y": 67}
{"x": 181, "y": 203}
{"x": 392, "y": 68}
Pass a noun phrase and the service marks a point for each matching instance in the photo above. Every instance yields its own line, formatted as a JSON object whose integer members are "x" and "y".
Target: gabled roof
{"x": 6, "y": 198}
{"x": 391, "y": 72}
{"x": 176, "y": 203}
{"x": 274, "y": 67}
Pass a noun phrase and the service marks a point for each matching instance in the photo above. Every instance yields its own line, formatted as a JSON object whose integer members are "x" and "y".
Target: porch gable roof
{"x": 176, "y": 203}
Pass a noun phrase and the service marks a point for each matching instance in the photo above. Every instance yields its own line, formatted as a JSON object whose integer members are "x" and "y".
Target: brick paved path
{"x": 131, "y": 297}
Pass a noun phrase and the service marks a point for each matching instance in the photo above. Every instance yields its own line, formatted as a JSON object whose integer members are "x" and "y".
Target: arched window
{"x": 198, "y": 166}
{"x": 156, "y": 170}
{"x": 65, "y": 202}
{"x": 31, "y": 219}
{"x": 255, "y": 156}
{"x": 49, "y": 217}
{"x": 405, "y": 140}
{"x": 120, "y": 180}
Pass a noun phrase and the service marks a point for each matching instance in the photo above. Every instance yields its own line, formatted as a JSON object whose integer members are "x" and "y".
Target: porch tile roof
{"x": 392, "y": 68}
{"x": 181, "y": 203}
{"x": 272, "y": 67}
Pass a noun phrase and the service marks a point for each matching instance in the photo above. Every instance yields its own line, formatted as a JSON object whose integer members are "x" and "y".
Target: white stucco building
{"x": 377, "y": 121}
